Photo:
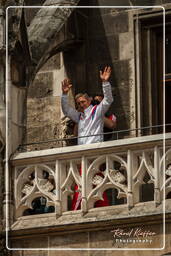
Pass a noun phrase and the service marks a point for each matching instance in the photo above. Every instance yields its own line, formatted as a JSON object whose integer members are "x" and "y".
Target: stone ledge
{"x": 95, "y": 219}
{"x": 103, "y": 147}
{"x": 88, "y": 227}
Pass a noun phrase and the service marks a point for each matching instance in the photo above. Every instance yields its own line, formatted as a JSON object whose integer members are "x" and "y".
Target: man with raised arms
{"x": 91, "y": 118}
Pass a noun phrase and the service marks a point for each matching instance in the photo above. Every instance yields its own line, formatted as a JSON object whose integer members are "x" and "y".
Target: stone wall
{"x": 43, "y": 105}
{"x": 100, "y": 238}
{"x": 108, "y": 39}
{"x": 101, "y": 37}
{"x": 108, "y": 31}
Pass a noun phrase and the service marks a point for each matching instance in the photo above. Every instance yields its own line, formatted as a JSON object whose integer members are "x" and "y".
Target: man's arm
{"x": 66, "y": 108}
{"x": 107, "y": 91}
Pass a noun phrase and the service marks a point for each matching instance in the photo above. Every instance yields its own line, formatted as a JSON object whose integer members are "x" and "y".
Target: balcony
{"x": 133, "y": 173}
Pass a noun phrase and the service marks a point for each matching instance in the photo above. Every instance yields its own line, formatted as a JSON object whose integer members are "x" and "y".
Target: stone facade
{"x": 45, "y": 45}
{"x": 43, "y": 106}
{"x": 100, "y": 238}
{"x": 86, "y": 227}
{"x": 102, "y": 44}
{"x": 101, "y": 37}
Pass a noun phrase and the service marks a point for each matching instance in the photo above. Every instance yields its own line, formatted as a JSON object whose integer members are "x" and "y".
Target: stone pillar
{"x": 1, "y": 191}
{"x": 2, "y": 75}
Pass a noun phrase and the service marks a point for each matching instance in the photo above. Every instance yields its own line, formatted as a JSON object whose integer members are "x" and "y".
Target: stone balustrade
{"x": 133, "y": 170}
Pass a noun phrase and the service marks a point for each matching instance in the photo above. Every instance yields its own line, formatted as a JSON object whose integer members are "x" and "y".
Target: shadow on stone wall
{"x": 100, "y": 34}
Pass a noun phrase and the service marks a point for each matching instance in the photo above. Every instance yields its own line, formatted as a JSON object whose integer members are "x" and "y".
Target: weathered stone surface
{"x": 77, "y": 240}
{"x": 143, "y": 3}
{"x": 3, "y": 250}
{"x": 69, "y": 253}
{"x": 2, "y": 105}
{"x": 165, "y": 1}
{"x": 75, "y": 57}
{"x": 158, "y": 2}
{"x": 43, "y": 121}
{"x": 46, "y": 109}
{"x": 93, "y": 81}
{"x": 59, "y": 3}
{"x": 105, "y": 147}
{"x": 120, "y": 72}
{"x": 1, "y": 193}
{"x": 29, "y": 253}
{"x": 43, "y": 28}
{"x": 31, "y": 243}
{"x": 16, "y": 117}
{"x": 42, "y": 86}
{"x": 77, "y": 73}
{"x": 108, "y": 24}
{"x": 30, "y": 13}
{"x": 2, "y": 44}
{"x": 120, "y": 79}
{"x": 126, "y": 46}
{"x": 33, "y": 3}
{"x": 108, "y": 239}
{"x": 53, "y": 63}
{"x": 113, "y": 2}
{"x": 99, "y": 51}
{"x": 35, "y": 253}
{"x": 18, "y": 102}
{"x": 103, "y": 49}
{"x": 125, "y": 252}
{"x": 6, "y": 3}
{"x": 105, "y": 239}
{"x": 14, "y": 18}
{"x": 17, "y": 253}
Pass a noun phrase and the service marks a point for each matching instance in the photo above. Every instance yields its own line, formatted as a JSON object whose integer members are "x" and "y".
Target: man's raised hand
{"x": 105, "y": 74}
{"x": 66, "y": 85}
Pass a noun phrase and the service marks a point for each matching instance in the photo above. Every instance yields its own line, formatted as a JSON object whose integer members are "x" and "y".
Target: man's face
{"x": 83, "y": 103}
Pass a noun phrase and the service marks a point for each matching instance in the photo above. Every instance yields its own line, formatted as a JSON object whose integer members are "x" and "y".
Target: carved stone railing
{"x": 124, "y": 166}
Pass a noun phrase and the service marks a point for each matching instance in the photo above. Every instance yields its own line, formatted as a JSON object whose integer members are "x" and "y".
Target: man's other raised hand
{"x": 105, "y": 74}
{"x": 66, "y": 85}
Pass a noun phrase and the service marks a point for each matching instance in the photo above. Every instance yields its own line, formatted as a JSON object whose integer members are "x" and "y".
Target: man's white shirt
{"x": 90, "y": 122}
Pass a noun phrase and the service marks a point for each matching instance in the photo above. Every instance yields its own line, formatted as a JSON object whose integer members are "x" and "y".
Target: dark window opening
{"x": 168, "y": 195}
{"x": 112, "y": 195}
{"x": 39, "y": 207}
{"x": 146, "y": 190}
{"x": 69, "y": 203}
{"x": 18, "y": 67}
{"x": 152, "y": 76}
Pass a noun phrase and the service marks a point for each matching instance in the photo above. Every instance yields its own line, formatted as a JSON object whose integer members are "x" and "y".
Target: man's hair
{"x": 85, "y": 95}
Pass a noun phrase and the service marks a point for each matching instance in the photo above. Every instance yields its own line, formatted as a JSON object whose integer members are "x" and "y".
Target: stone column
{"x": 2, "y": 74}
